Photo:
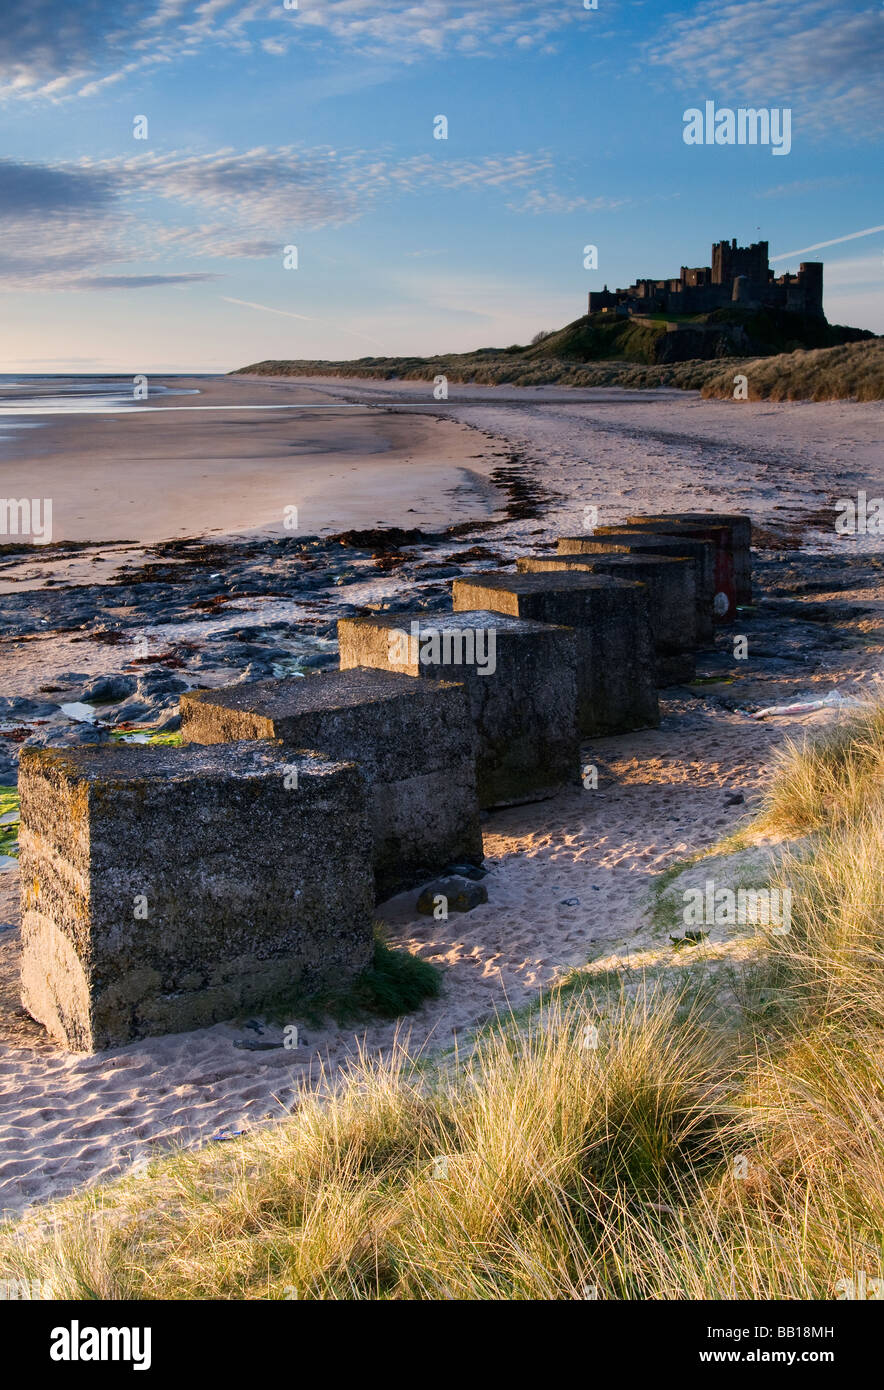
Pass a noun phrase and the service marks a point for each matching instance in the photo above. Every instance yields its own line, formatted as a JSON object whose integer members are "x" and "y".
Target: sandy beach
{"x": 570, "y": 879}
{"x": 208, "y": 464}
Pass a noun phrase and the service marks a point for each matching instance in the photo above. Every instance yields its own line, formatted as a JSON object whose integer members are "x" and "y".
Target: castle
{"x": 739, "y": 275}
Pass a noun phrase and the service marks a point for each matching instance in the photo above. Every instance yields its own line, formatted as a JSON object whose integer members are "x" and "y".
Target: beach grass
{"x": 826, "y": 780}
{"x": 851, "y": 371}
{"x": 686, "y": 1133}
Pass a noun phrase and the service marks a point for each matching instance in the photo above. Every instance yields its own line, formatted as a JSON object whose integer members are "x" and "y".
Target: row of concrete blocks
{"x": 164, "y": 889}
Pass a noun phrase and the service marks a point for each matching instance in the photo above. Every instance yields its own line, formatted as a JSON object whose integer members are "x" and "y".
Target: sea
{"x": 26, "y": 394}
{"x": 34, "y": 395}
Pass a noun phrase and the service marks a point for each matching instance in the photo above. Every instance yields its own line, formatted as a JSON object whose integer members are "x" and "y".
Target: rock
{"x": 108, "y": 690}
{"x": 435, "y": 603}
{"x": 67, "y": 736}
{"x": 133, "y": 712}
{"x": 317, "y": 660}
{"x": 256, "y": 671}
{"x": 154, "y": 683}
{"x": 431, "y": 571}
{"x": 241, "y": 651}
{"x": 462, "y": 895}
{"x": 378, "y": 540}
{"x": 20, "y": 708}
{"x": 247, "y": 634}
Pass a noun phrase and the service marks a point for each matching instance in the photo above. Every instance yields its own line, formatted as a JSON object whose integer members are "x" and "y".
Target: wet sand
{"x": 207, "y": 464}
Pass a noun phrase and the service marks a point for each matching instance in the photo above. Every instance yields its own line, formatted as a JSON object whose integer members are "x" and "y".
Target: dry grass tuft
{"x": 853, "y": 371}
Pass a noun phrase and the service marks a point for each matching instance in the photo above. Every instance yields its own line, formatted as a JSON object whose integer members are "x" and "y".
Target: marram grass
{"x": 660, "y": 1142}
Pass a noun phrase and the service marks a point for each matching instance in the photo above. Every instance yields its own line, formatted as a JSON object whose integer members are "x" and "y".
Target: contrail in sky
{"x": 290, "y": 314}
{"x": 818, "y": 246}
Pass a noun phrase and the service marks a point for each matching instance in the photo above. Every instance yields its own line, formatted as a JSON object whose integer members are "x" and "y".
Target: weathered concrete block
{"x": 610, "y": 618}
{"x": 414, "y": 740}
{"x": 672, "y": 601}
{"x": 739, "y": 527}
{"x": 731, "y": 533}
{"x": 521, "y": 679}
{"x": 167, "y": 888}
{"x": 620, "y": 540}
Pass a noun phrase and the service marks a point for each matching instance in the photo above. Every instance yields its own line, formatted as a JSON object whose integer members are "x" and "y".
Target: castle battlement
{"x": 738, "y": 275}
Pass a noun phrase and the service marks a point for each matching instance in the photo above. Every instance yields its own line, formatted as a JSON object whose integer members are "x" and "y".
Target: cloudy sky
{"x": 310, "y": 123}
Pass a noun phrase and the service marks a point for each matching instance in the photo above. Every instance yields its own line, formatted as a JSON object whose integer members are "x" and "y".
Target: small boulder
{"x": 133, "y": 712}
{"x": 462, "y": 895}
{"x": 154, "y": 683}
{"x": 67, "y": 736}
{"x": 255, "y": 671}
{"x": 318, "y": 660}
{"x": 108, "y": 690}
{"x": 19, "y": 707}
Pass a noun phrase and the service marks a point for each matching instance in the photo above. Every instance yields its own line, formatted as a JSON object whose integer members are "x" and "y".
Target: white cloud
{"x": 551, "y": 201}
{"x": 824, "y": 59}
{"x": 228, "y": 204}
{"x": 799, "y": 187}
{"x": 57, "y": 51}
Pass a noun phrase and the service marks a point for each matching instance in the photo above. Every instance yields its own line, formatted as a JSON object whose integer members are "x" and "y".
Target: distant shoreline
{"x": 853, "y": 371}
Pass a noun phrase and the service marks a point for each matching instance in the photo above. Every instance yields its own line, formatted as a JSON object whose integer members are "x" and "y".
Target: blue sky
{"x": 269, "y": 127}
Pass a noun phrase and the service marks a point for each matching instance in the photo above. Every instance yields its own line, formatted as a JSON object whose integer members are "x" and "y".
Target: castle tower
{"x": 730, "y": 260}
{"x": 810, "y": 277}
{"x": 721, "y": 262}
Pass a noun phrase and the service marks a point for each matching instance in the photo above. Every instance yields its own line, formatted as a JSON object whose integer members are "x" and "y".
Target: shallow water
{"x": 76, "y": 395}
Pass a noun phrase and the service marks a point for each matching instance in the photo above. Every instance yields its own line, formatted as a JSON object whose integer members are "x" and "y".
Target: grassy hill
{"x": 603, "y": 350}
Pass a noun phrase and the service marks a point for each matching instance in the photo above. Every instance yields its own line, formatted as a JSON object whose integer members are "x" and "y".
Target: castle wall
{"x": 739, "y": 274}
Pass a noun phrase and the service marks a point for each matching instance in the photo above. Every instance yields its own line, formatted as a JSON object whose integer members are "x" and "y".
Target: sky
{"x": 158, "y": 159}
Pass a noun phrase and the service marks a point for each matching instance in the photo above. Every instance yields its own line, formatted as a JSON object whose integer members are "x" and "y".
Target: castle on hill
{"x": 739, "y": 275}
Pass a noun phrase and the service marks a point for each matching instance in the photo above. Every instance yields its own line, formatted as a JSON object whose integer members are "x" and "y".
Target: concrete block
{"x": 164, "y": 889}
{"x": 672, "y": 601}
{"x": 610, "y": 618}
{"x": 620, "y": 540}
{"x": 414, "y": 740}
{"x": 740, "y": 527}
{"x": 732, "y": 534}
{"x": 521, "y": 680}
